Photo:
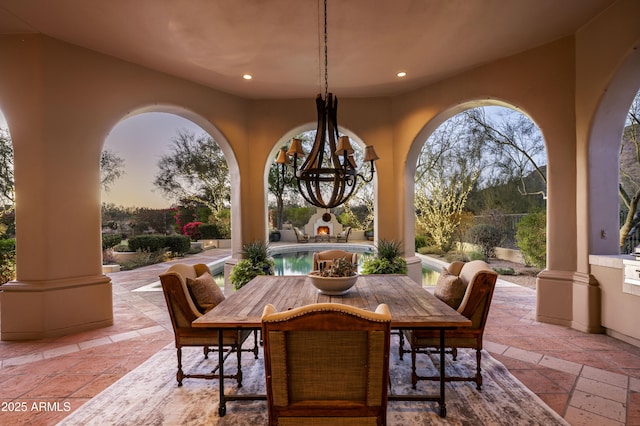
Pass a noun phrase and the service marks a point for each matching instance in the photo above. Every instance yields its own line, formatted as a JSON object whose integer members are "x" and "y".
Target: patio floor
{"x": 588, "y": 379}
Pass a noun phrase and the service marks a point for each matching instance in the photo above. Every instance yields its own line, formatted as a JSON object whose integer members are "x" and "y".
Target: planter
{"x": 226, "y": 243}
{"x": 332, "y": 286}
{"x": 274, "y": 236}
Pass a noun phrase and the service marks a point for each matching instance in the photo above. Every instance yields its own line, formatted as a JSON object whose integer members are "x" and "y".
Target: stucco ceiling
{"x": 215, "y": 42}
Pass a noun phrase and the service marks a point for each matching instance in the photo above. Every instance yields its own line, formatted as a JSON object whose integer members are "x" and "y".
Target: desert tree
{"x": 514, "y": 145}
{"x": 196, "y": 170}
{"x": 111, "y": 168}
{"x": 7, "y": 188}
{"x": 448, "y": 169}
{"x": 284, "y": 190}
{"x": 629, "y": 185}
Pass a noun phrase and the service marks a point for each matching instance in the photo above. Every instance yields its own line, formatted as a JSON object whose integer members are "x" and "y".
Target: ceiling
{"x": 215, "y": 42}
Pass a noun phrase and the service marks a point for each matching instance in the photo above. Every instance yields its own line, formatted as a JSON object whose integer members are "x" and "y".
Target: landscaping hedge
{"x": 110, "y": 240}
{"x": 7, "y": 260}
{"x": 212, "y": 231}
{"x": 178, "y": 244}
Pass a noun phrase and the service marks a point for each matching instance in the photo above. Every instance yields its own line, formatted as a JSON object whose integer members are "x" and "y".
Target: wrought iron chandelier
{"x": 324, "y": 179}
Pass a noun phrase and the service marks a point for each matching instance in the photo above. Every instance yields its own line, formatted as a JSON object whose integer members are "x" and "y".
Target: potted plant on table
{"x": 334, "y": 277}
{"x": 256, "y": 261}
{"x": 388, "y": 259}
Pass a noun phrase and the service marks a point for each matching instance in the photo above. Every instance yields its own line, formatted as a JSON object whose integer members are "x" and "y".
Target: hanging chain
{"x": 326, "y": 56}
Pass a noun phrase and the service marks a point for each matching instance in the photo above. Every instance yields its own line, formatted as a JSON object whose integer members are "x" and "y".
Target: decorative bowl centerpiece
{"x": 334, "y": 277}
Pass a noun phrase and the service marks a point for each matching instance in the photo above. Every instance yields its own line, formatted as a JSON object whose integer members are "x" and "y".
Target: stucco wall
{"x": 61, "y": 101}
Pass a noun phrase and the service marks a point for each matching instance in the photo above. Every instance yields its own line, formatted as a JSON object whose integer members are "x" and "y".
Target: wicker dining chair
{"x": 183, "y": 310}
{"x": 475, "y": 306}
{"x": 326, "y": 363}
{"x": 329, "y": 256}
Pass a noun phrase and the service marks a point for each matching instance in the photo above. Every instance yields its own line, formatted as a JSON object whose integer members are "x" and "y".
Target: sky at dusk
{"x": 141, "y": 140}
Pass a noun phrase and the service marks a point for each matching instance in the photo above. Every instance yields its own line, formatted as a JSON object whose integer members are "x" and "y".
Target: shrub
{"x": 148, "y": 243}
{"x": 531, "y": 236}
{"x": 214, "y": 231}
{"x": 476, "y": 255}
{"x": 388, "y": 259}
{"x": 192, "y": 230}
{"x": 257, "y": 261}
{"x": 505, "y": 271}
{"x": 431, "y": 250}
{"x": 256, "y": 251}
{"x": 299, "y": 216}
{"x": 7, "y": 260}
{"x": 243, "y": 272}
{"x": 456, "y": 256}
{"x": 143, "y": 258}
{"x": 177, "y": 244}
{"x": 421, "y": 241}
{"x": 487, "y": 236}
{"x": 378, "y": 265}
{"x": 389, "y": 249}
{"x": 110, "y": 240}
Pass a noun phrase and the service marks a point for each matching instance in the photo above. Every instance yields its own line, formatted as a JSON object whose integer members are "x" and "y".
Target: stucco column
{"x": 59, "y": 288}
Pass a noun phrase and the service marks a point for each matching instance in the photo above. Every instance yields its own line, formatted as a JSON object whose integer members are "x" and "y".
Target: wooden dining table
{"x": 410, "y": 305}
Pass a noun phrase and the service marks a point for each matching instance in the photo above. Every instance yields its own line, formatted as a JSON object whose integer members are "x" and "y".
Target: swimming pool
{"x": 297, "y": 260}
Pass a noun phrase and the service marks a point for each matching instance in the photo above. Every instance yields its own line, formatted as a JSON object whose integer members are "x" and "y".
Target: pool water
{"x": 300, "y": 263}
{"x": 429, "y": 275}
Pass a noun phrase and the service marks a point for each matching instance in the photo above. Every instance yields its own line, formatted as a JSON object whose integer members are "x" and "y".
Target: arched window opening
{"x": 162, "y": 175}
{"x": 478, "y": 176}
{"x": 7, "y": 206}
{"x": 289, "y": 211}
{"x": 629, "y": 184}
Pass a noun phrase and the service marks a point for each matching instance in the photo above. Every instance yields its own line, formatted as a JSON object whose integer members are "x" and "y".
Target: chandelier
{"x": 327, "y": 177}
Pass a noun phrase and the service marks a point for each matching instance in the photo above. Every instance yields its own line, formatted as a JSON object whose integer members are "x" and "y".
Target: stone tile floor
{"x": 588, "y": 379}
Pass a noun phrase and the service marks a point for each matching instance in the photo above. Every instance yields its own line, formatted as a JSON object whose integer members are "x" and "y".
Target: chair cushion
{"x": 450, "y": 289}
{"x": 205, "y": 292}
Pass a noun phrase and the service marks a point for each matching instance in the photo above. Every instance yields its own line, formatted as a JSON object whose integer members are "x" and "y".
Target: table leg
{"x": 222, "y": 409}
{"x": 442, "y": 405}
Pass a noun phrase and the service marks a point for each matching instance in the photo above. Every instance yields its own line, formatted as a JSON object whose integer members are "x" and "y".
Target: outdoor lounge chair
{"x": 311, "y": 353}
{"x": 300, "y": 236}
{"x": 480, "y": 282}
{"x": 343, "y": 237}
{"x": 184, "y": 309}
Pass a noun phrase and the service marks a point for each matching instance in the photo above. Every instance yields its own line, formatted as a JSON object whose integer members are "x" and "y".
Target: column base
{"x": 569, "y": 299}
{"x": 414, "y": 268}
{"x": 554, "y": 297}
{"x": 41, "y": 309}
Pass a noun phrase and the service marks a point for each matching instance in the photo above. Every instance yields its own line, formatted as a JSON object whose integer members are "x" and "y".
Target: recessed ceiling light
{"x": 247, "y": 76}
{"x": 401, "y": 74}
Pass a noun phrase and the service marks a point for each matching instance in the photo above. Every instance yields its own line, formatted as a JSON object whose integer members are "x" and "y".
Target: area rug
{"x": 149, "y": 395}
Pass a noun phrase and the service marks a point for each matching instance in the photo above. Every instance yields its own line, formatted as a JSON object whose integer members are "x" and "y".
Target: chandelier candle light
{"x": 324, "y": 180}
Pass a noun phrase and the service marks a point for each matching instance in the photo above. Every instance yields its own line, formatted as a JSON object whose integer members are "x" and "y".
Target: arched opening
{"x": 7, "y": 206}
{"x": 604, "y": 157}
{"x": 358, "y": 213}
{"x": 175, "y": 177}
{"x": 478, "y": 170}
